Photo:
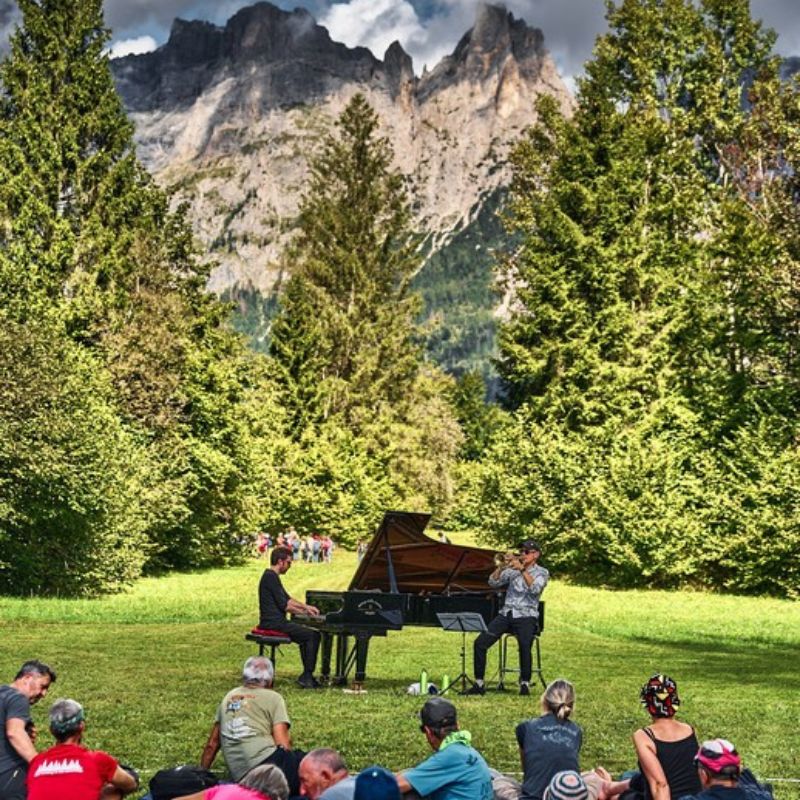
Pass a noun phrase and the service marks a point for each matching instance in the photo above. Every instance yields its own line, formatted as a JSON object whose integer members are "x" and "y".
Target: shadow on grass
{"x": 752, "y": 664}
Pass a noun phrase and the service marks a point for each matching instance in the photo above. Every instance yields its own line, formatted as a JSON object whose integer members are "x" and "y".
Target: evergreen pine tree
{"x": 346, "y": 325}
{"x": 651, "y": 351}
{"x": 88, "y": 242}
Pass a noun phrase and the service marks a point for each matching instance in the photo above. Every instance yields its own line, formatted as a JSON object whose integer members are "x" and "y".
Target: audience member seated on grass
{"x": 376, "y": 783}
{"x": 551, "y": 742}
{"x": 265, "y": 782}
{"x": 456, "y": 770}
{"x": 17, "y": 732}
{"x": 666, "y": 748}
{"x": 70, "y": 771}
{"x": 566, "y": 785}
{"x": 252, "y": 727}
{"x": 323, "y": 774}
{"x": 719, "y": 769}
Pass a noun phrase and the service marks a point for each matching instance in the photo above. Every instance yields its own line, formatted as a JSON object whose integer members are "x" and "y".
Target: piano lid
{"x": 402, "y": 558}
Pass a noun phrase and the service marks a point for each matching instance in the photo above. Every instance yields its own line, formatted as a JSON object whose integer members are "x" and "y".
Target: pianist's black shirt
{"x": 272, "y": 599}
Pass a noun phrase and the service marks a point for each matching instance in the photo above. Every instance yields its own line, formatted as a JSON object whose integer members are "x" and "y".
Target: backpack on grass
{"x": 167, "y": 784}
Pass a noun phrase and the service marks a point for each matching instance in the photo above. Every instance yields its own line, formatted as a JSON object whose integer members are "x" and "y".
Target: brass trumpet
{"x": 506, "y": 559}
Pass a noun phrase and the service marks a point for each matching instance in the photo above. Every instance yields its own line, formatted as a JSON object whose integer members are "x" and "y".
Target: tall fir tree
{"x": 348, "y": 305}
{"x": 89, "y": 244}
{"x": 345, "y": 344}
{"x": 650, "y": 354}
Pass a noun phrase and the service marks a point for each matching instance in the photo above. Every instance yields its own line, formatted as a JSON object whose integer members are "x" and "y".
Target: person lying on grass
{"x": 70, "y": 771}
{"x": 265, "y": 782}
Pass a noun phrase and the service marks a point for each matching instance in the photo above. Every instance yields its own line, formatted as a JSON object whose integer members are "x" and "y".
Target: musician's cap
{"x": 376, "y": 783}
{"x": 530, "y": 544}
{"x": 719, "y": 757}
{"x": 438, "y": 713}
{"x": 567, "y": 785}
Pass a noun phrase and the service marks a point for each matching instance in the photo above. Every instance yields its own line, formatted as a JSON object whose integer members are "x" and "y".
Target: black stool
{"x": 264, "y": 637}
{"x": 536, "y": 655}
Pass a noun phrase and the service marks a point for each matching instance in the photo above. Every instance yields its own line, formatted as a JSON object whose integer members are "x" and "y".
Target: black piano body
{"x": 404, "y": 578}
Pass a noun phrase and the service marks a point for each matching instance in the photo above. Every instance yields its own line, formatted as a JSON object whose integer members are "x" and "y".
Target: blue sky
{"x": 427, "y": 29}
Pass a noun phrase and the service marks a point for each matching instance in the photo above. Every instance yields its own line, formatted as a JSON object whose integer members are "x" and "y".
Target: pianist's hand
{"x": 313, "y": 610}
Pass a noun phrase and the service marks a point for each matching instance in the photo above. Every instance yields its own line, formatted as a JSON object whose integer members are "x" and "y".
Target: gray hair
{"x": 268, "y": 780}
{"x": 66, "y": 718}
{"x": 258, "y": 669}
{"x": 559, "y": 699}
{"x": 326, "y": 757}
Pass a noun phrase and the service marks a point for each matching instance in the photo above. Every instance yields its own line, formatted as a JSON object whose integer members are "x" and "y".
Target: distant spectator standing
{"x": 316, "y": 548}
{"x": 455, "y": 771}
{"x": 16, "y": 745}
{"x": 361, "y": 548}
{"x": 70, "y": 771}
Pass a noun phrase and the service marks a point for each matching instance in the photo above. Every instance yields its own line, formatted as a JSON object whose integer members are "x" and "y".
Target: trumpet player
{"x": 524, "y": 580}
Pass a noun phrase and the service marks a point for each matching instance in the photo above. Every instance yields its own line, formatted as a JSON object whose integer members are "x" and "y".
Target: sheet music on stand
{"x": 464, "y": 622}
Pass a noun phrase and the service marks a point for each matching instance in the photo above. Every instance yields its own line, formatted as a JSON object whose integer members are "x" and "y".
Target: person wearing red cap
{"x": 718, "y": 768}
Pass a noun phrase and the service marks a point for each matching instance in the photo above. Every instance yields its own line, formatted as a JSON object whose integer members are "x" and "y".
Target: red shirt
{"x": 69, "y": 772}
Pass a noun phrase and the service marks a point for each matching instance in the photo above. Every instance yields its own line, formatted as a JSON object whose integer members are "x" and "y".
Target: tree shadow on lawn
{"x": 742, "y": 663}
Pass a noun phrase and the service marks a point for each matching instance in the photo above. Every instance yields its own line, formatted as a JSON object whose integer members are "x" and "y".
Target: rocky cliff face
{"x": 227, "y": 116}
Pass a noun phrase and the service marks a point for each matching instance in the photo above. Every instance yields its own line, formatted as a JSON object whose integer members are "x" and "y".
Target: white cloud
{"x": 374, "y": 24}
{"x": 130, "y": 47}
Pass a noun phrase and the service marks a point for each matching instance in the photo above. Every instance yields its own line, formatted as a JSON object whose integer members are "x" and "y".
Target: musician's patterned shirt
{"x": 521, "y": 600}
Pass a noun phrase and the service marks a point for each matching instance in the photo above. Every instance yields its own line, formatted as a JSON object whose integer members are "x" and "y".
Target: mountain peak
{"x": 484, "y": 51}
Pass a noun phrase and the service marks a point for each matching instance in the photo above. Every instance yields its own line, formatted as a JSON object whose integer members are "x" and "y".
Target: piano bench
{"x": 267, "y": 638}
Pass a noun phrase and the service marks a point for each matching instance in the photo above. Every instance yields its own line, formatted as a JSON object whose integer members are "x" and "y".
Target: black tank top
{"x": 677, "y": 761}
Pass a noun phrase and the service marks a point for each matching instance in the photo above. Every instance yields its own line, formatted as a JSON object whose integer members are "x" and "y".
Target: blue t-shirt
{"x": 456, "y": 773}
{"x": 548, "y": 746}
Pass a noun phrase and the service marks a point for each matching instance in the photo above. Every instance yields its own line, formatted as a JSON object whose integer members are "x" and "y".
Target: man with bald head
{"x": 324, "y": 776}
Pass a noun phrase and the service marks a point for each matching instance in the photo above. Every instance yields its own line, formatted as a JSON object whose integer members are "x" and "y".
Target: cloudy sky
{"x": 427, "y": 29}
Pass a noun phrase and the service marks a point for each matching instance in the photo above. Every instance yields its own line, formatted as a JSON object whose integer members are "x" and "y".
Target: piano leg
{"x": 362, "y": 650}
{"x": 325, "y": 662}
{"x": 340, "y": 676}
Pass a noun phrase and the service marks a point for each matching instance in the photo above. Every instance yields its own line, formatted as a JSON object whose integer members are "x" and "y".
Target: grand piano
{"x": 405, "y": 578}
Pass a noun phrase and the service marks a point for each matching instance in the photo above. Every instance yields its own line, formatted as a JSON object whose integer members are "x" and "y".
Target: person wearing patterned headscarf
{"x": 666, "y": 747}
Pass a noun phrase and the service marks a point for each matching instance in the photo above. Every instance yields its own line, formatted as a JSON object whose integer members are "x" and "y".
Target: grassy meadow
{"x": 150, "y": 666}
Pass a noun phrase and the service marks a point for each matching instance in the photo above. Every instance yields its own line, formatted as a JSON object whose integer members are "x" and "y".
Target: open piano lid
{"x": 401, "y": 558}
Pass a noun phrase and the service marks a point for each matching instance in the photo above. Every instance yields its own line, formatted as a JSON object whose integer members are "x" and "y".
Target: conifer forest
{"x": 646, "y": 428}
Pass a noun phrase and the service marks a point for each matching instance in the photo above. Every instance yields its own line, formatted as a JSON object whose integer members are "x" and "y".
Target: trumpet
{"x": 506, "y": 560}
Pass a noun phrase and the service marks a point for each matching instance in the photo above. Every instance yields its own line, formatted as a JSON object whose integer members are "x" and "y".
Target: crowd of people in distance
{"x": 312, "y": 548}
{"x": 252, "y": 729}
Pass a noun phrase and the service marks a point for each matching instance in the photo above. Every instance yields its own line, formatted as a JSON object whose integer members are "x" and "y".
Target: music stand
{"x": 464, "y": 622}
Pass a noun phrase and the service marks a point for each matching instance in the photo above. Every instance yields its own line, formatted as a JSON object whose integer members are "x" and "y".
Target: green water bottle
{"x": 423, "y": 682}
{"x": 445, "y": 683}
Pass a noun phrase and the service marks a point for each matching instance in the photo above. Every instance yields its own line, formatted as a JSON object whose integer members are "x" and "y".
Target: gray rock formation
{"x": 227, "y": 116}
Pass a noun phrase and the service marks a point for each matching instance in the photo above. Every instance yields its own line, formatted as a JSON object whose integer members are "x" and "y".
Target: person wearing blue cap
{"x": 456, "y": 770}
{"x": 376, "y": 783}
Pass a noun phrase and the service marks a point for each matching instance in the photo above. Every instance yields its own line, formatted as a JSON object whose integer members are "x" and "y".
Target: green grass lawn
{"x": 151, "y": 665}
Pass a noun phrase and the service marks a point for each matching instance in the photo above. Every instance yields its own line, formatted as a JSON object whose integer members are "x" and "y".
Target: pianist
{"x": 274, "y": 603}
{"x": 524, "y": 580}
